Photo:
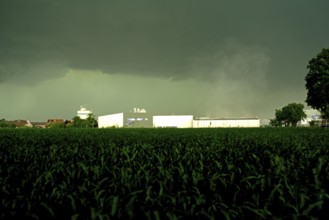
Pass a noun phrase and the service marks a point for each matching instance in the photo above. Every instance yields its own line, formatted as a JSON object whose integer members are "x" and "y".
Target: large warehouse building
{"x": 173, "y": 121}
{"x": 226, "y": 122}
{"x": 140, "y": 118}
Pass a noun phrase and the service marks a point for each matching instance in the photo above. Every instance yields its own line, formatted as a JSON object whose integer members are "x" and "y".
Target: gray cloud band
{"x": 176, "y": 40}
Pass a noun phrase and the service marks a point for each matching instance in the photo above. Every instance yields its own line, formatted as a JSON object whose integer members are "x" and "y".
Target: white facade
{"x": 83, "y": 113}
{"x": 177, "y": 121}
{"x": 114, "y": 120}
{"x": 139, "y": 118}
{"x": 226, "y": 123}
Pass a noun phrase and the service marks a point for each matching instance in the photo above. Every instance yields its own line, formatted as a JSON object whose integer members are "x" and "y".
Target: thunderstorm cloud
{"x": 223, "y": 58}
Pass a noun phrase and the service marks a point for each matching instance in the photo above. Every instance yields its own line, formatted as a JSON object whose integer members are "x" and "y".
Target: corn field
{"x": 236, "y": 173}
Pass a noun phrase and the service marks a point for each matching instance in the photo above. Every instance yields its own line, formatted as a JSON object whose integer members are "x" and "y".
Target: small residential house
{"x": 21, "y": 123}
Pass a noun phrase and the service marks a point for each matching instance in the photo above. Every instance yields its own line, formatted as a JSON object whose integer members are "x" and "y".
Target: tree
{"x": 90, "y": 122}
{"x": 289, "y": 115}
{"x": 5, "y": 124}
{"x": 317, "y": 83}
{"x": 77, "y": 122}
{"x": 278, "y": 121}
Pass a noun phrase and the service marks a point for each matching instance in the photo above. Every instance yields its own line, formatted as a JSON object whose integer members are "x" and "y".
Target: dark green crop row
{"x": 164, "y": 173}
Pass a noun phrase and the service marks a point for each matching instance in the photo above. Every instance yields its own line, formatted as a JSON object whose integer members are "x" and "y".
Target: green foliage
{"x": 279, "y": 120}
{"x": 317, "y": 83}
{"x": 289, "y": 115}
{"x": 275, "y": 123}
{"x": 164, "y": 173}
{"x": 90, "y": 122}
{"x": 55, "y": 125}
{"x": 5, "y": 124}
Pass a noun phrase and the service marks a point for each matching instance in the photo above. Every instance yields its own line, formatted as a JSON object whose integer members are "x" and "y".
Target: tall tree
{"x": 317, "y": 83}
{"x": 289, "y": 115}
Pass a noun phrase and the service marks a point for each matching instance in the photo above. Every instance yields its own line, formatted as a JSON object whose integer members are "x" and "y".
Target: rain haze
{"x": 205, "y": 58}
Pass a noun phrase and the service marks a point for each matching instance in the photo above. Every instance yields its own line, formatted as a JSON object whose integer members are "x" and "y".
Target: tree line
{"x": 76, "y": 122}
{"x": 6, "y": 124}
{"x": 317, "y": 86}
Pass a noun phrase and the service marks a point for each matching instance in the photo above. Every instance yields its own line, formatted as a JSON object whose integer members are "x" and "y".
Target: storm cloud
{"x": 252, "y": 48}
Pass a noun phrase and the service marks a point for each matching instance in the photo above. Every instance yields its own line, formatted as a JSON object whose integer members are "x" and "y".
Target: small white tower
{"x": 83, "y": 113}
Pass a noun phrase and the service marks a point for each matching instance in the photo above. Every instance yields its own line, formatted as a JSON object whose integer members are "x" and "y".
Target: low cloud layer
{"x": 244, "y": 51}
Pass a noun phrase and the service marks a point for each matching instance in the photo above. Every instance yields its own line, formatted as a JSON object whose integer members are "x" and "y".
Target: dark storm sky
{"x": 206, "y": 58}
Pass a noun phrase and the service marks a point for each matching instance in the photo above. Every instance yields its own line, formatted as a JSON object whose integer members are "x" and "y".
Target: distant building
{"x": 83, "y": 113}
{"x": 173, "y": 121}
{"x": 312, "y": 116}
{"x": 39, "y": 124}
{"x": 140, "y": 118}
{"x": 135, "y": 119}
{"x": 21, "y": 123}
{"x": 55, "y": 120}
{"x": 226, "y": 122}
{"x": 265, "y": 122}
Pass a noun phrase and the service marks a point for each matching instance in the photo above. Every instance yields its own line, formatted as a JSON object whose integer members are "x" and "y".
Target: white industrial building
{"x": 137, "y": 118}
{"x": 140, "y": 118}
{"x": 113, "y": 120}
{"x": 226, "y": 122}
{"x": 83, "y": 113}
{"x": 173, "y": 121}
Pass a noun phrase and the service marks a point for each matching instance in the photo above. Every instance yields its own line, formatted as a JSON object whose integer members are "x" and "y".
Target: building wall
{"x": 177, "y": 121}
{"x": 107, "y": 121}
{"x": 143, "y": 119}
{"x": 138, "y": 119}
{"x": 225, "y": 123}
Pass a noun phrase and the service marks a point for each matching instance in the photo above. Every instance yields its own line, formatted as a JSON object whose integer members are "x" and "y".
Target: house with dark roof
{"x": 21, "y": 123}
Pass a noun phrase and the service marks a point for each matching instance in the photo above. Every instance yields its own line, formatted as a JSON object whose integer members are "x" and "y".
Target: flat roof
{"x": 204, "y": 118}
